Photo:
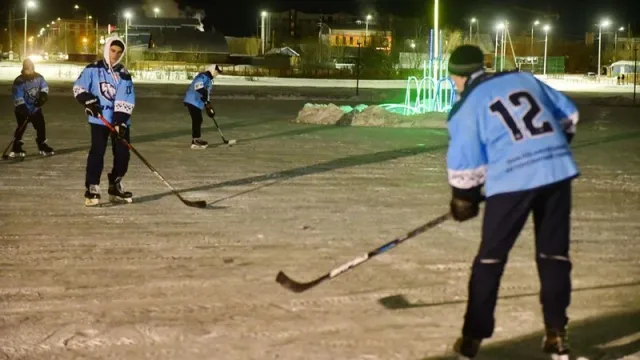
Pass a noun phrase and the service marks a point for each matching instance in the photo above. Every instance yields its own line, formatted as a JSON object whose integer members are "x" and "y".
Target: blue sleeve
{"x": 18, "y": 92}
{"x": 82, "y": 85}
{"x": 564, "y": 109}
{"x": 44, "y": 86}
{"x": 125, "y": 98}
{"x": 201, "y": 85}
{"x": 466, "y": 155}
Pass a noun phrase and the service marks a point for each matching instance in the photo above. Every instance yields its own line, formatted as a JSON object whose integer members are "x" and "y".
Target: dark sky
{"x": 239, "y": 18}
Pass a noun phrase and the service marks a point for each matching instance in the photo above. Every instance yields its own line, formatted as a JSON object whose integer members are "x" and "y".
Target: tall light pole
{"x": 535, "y": 23}
{"x": 27, "y": 5}
{"x": 366, "y": 28}
{"x": 603, "y": 23}
{"x": 263, "y": 17}
{"x": 615, "y": 43}
{"x": 471, "y": 22}
{"x": 127, "y": 19}
{"x": 436, "y": 32}
{"x": 546, "y": 40}
{"x": 156, "y": 10}
{"x": 495, "y": 56}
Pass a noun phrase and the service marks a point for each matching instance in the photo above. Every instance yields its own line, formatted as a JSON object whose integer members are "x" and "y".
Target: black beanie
{"x": 118, "y": 43}
{"x": 465, "y": 60}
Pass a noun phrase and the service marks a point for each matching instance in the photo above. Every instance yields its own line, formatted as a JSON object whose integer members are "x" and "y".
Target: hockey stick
{"x": 5, "y": 156}
{"x": 198, "y": 204}
{"x": 230, "y": 142}
{"x": 299, "y": 287}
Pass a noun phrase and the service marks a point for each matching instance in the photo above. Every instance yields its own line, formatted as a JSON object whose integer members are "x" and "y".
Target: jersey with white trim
{"x": 114, "y": 90}
{"x": 507, "y": 132}
{"x": 26, "y": 90}
{"x": 199, "y": 91}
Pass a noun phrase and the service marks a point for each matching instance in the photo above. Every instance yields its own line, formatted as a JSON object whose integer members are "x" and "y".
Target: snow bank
{"x": 363, "y": 115}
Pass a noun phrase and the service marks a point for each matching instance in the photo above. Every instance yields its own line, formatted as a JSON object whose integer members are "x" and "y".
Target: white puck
{"x": 232, "y": 142}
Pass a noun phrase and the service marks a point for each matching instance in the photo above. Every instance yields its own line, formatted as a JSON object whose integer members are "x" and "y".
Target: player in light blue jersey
{"x": 510, "y": 133}
{"x": 197, "y": 98}
{"x": 105, "y": 89}
{"x": 30, "y": 93}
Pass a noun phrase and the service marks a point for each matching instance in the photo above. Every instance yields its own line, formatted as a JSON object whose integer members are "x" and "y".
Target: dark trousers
{"x": 505, "y": 216}
{"x": 196, "y": 120}
{"x": 37, "y": 120}
{"x": 95, "y": 161}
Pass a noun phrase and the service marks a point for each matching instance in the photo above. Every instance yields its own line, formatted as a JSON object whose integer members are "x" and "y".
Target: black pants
{"x": 505, "y": 216}
{"x": 95, "y": 161}
{"x": 37, "y": 120}
{"x": 196, "y": 120}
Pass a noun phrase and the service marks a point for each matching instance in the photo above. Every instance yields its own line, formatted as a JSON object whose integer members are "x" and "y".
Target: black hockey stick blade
{"x": 299, "y": 287}
{"x": 200, "y": 204}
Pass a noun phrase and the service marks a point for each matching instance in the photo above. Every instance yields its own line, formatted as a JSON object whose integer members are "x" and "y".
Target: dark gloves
{"x": 42, "y": 99}
{"x": 92, "y": 107}
{"x": 120, "y": 123}
{"x": 465, "y": 203}
{"x": 22, "y": 110}
{"x": 121, "y": 130}
{"x": 569, "y": 137}
{"x": 210, "y": 111}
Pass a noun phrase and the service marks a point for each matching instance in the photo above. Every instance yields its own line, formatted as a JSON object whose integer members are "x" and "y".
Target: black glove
{"x": 22, "y": 110}
{"x": 121, "y": 130}
{"x": 463, "y": 210}
{"x": 569, "y": 137}
{"x": 92, "y": 107}
{"x": 210, "y": 111}
{"x": 42, "y": 99}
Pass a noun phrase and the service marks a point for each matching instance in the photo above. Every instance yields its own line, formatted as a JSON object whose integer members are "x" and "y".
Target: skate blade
{"x": 560, "y": 357}
{"x": 199, "y": 147}
{"x": 44, "y": 153}
{"x": 120, "y": 200}
{"x": 91, "y": 202}
{"x": 13, "y": 155}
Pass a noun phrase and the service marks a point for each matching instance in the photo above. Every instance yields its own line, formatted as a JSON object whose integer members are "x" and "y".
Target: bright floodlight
{"x": 31, "y": 4}
{"x": 53, "y": 23}
{"x": 605, "y": 23}
{"x": 369, "y": 17}
{"x": 413, "y": 45}
{"x": 58, "y": 19}
{"x": 536, "y": 23}
{"x": 263, "y": 14}
{"x": 547, "y": 28}
{"x": 473, "y": 20}
{"x": 500, "y": 26}
{"x": 90, "y": 17}
{"x": 156, "y": 10}
{"x": 127, "y": 15}
{"x": 76, "y": 7}
{"x": 621, "y": 28}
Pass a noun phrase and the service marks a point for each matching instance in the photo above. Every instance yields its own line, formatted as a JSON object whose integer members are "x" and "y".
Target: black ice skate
{"x": 199, "y": 144}
{"x": 555, "y": 343}
{"x": 92, "y": 196}
{"x": 116, "y": 191}
{"x": 45, "y": 149}
{"x": 466, "y": 348}
{"x": 17, "y": 151}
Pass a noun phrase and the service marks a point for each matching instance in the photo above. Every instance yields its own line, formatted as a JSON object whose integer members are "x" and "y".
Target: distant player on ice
{"x": 510, "y": 133}
{"x": 197, "y": 98}
{"x": 30, "y": 93}
{"x": 105, "y": 88}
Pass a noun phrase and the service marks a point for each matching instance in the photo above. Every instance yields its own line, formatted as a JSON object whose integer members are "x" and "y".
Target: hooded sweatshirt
{"x": 111, "y": 84}
{"x": 26, "y": 90}
{"x": 199, "y": 91}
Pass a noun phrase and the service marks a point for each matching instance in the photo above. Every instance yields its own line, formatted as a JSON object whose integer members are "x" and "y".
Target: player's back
{"x": 521, "y": 130}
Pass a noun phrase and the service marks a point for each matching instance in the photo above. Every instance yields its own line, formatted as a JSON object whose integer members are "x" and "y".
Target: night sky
{"x": 575, "y": 16}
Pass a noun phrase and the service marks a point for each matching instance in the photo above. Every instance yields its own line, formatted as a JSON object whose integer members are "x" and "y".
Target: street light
{"x": 156, "y": 11}
{"x": 366, "y": 28}
{"x": 27, "y": 5}
{"x": 535, "y": 23}
{"x": 546, "y": 39}
{"x": 615, "y": 43}
{"x": 263, "y": 16}
{"x": 127, "y": 19}
{"x": 604, "y": 23}
{"x": 473, "y": 21}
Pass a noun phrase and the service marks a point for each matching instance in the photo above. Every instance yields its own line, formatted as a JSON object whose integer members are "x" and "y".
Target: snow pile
{"x": 363, "y": 115}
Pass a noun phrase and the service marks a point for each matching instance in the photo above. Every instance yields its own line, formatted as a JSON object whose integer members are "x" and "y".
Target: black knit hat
{"x": 465, "y": 60}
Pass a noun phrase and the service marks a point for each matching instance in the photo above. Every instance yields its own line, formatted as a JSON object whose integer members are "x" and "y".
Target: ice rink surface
{"x": 159, "y": 280}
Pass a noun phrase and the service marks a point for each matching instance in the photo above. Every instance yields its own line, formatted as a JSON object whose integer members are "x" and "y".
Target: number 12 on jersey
{"x": 518, "y": 99}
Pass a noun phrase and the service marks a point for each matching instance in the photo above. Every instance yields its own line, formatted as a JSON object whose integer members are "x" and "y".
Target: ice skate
{"x": 466, "y": 348}
{"x": 45, "y": 149}
{"x": 117, "y": 194}
{"x": 92, "y": 196}
{"x": 199, "y": 144}
{"x": 17, "y": 151}
{"x": 555, "y": 343}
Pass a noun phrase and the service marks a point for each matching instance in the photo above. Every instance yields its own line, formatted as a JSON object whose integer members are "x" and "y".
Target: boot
{"x": 92, "y": 196}
{"x": 45, "y": 149}
{"x": 199, "y": 144}
{"x": 466, "y": 348}
{"x": 556, "y": 343}
{"x": 117, "y": 192}
{"x": 16, "y": 150}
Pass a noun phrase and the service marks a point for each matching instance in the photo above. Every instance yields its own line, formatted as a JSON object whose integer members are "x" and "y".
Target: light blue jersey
{"x": 112, "y": 86}
{"x": 508, "y": 133}
{"x": 26, "y": 89}
{"x": 199, "y": 92}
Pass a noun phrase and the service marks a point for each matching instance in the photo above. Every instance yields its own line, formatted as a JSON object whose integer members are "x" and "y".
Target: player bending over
{"x": 105, "y": 89}
{"x": 510, "y": 134}
{"x": 30, "y": 93}
{"x": 197, "y": 98}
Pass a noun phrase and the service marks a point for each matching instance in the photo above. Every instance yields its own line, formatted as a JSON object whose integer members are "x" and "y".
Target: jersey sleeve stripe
{"x": 467, "y": 178}
{"x": 124, "y": 106}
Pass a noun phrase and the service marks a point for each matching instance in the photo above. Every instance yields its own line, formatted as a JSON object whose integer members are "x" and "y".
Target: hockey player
{"x": 30, "y": 93}
{"x": 510, "y": 134}
{"x": 197, "y": 98}
{"x": 105, "y": 89}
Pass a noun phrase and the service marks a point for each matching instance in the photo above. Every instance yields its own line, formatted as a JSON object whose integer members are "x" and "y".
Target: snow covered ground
{"x": 158, "y": 280}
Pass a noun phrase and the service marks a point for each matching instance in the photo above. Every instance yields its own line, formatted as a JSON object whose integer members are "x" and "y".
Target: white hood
{"x": 107, "y": 46}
